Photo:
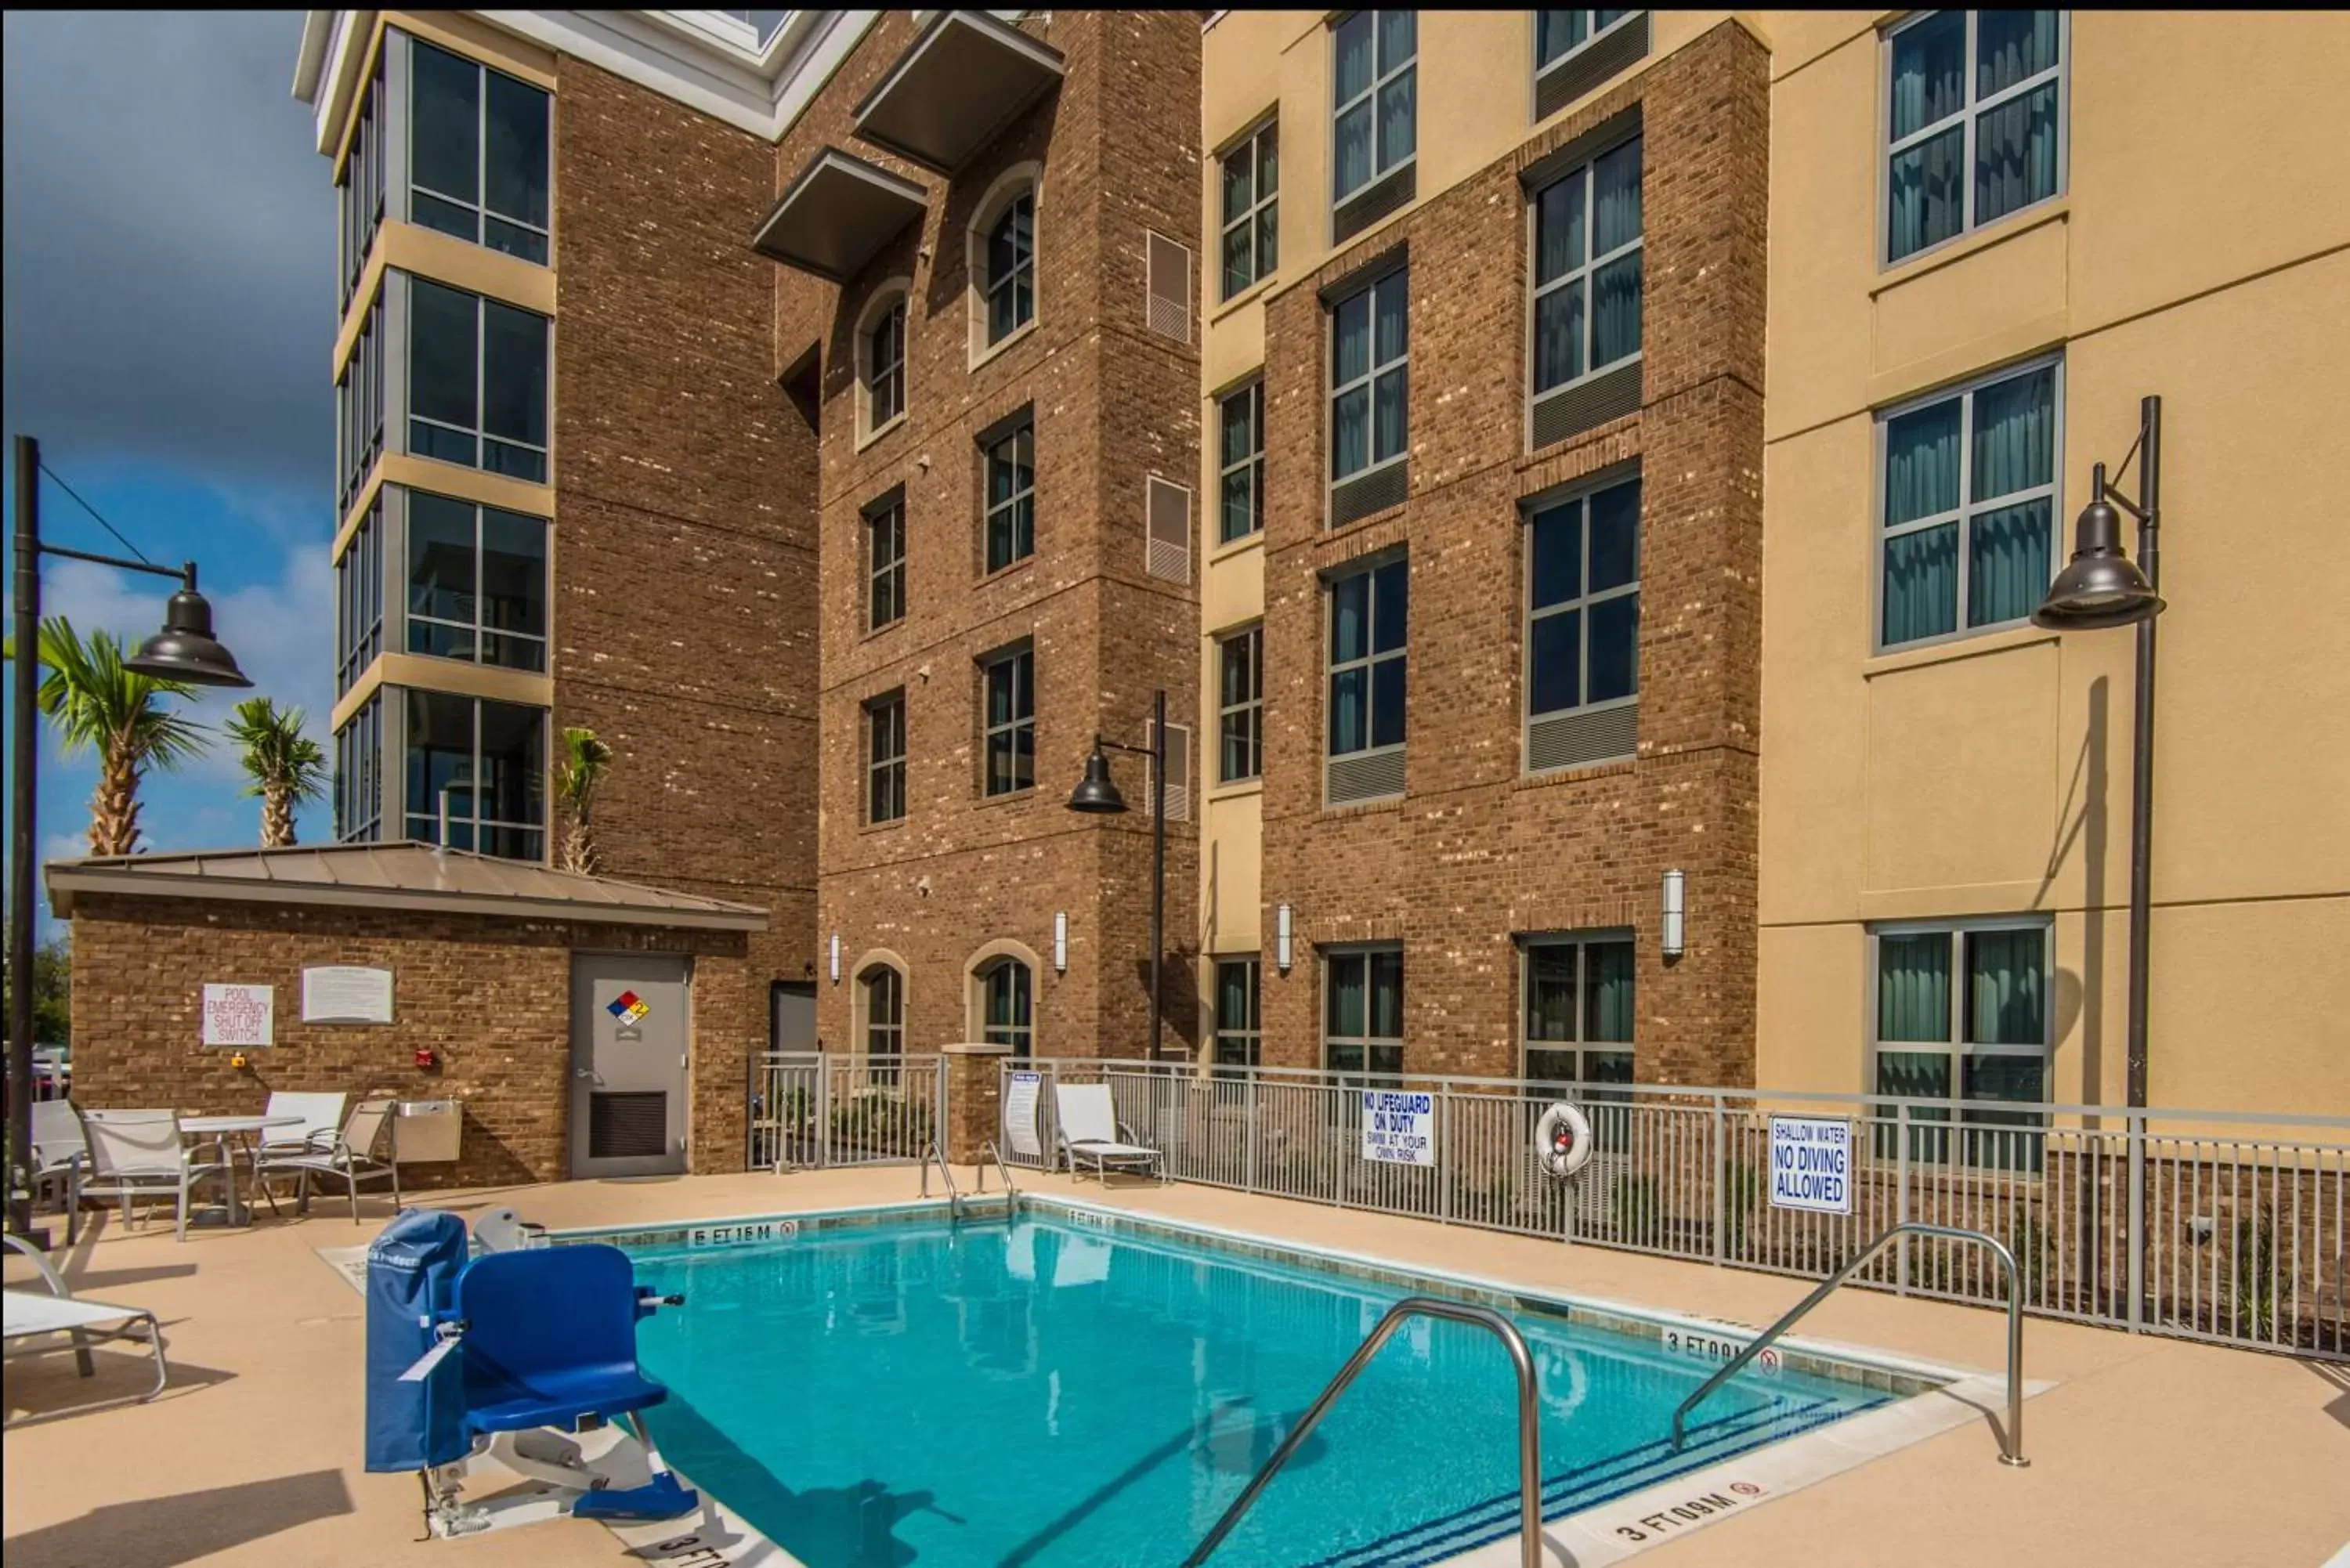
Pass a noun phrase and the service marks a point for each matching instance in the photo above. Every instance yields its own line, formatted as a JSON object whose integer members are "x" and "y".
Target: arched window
{"x": 877, "y": 1028}
{"x": 1005, "y": 1006}
{"x": 881, "y": 361}
{"x": 1001, "y": 258}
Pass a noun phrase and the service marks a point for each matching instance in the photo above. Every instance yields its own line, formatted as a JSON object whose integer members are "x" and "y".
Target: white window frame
{"x": 1249, "y": 1035}
{"x": 1021, "y": 1037}
{"x": 1379, "y": 79}
{"x": 1593, "y": 261}
{"x": 1589, "y": 38}
{"x": 883, "y": 1067}
{"x": 1252, "y": 705}
{"x": 1577, "y": 1047}
{"x": 1260, "y": 205}
{"x": 1955, "y": 1047}
{"x": 1369, "y": 381}
{"x": 1252, "y": 461}
{"x": 1973, "y": 109}
{"x": 1967, "y": 508}
{"x": 988, "y": 730}
{"x": 1580, "y": 495}
{"x": 894, "y": 294}
{"x": 1366, "y": 1075}
{"x": 1023, "y": 179}
{"x": 1009, "y": 508}
{"x": 1370, "y": 659}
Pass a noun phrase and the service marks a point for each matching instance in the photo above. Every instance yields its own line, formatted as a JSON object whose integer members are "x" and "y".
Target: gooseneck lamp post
{"x": 183, "y": 650}
{"x": 2100, "y": 588}
{"x": 1097, "y": 795}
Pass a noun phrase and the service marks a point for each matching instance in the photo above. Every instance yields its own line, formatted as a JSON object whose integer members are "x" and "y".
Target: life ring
{"x": 1563, "y": 1140}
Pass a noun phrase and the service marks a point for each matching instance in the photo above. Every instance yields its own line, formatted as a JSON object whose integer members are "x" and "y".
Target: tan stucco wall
{"x": 2201, "y": 252}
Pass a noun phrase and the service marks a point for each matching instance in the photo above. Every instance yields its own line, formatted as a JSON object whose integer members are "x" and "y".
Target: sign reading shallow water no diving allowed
{"x": 1811, "y": 1164}
{"x": 1399, "y": 1128}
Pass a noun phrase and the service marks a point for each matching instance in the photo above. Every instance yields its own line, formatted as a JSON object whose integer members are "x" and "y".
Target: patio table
{"x": 220, "y": 1129}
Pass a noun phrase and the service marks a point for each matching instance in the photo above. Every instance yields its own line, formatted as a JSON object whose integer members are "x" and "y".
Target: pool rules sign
{"x": 1811, "y": 1164}
{"x": 1399, "y": 1128}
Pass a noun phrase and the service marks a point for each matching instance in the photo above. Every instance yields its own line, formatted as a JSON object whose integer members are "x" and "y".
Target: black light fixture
{"x": 185, "y": 649}
{"x": 1097, "y": 793}
{"x": 2102, "y": 587}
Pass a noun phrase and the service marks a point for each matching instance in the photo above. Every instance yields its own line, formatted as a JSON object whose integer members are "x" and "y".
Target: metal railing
{"x": 934, "y": 1155}
{"x": 2215, "y": 1225}
{"x": 2011, "y": 1442}
{"x": 1529, "y": 1420}
{"x": 991, "y": 1155}
{"x": 814, "y": 1109}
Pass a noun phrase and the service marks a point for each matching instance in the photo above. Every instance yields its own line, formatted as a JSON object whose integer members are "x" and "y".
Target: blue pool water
{"x": 1039, "y": 1393}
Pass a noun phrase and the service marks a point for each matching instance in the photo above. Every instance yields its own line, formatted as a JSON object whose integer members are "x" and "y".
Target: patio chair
{"x": 28, "y": 1314}
{"x": 322, "y": 1121}
{"x": 135, "y": 1154}
{"x": 1090, "y": 1130}
{"x": 61, "y": 1148}
{"x": 347, "y": 1154}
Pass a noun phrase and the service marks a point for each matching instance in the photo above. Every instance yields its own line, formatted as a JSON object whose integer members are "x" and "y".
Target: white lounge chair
{"x": 28, "y": 1314}
{"x": 140, "y": 1154}
{"x": 1091, "y": 1133}
{"x": 61, "y": 1148}
{"x": 347, "y": 1154}
{"x": 322, "y": 1122}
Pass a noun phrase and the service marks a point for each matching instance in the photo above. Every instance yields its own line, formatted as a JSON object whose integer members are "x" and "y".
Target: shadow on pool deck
{"x": 164, "y": 1531}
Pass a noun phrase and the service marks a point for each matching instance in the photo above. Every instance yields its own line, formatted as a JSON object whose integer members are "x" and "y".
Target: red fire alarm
{"x": 427, "y": 1058}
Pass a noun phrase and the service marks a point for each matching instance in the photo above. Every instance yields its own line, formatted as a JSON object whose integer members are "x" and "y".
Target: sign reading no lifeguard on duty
{"x": 1811, "y": 1164}
{"x": 1399, "y": 1128}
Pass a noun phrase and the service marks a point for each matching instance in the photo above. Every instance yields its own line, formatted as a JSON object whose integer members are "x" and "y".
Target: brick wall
{"x": 685, "y": 564}
{"x": 1113, "y": 404}
{"x": 1476, "y": 853}
{"x": 491, "y": 996}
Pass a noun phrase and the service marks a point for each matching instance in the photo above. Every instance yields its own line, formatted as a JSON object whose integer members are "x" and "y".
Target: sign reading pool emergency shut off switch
{"x": 1811, "y": 1164}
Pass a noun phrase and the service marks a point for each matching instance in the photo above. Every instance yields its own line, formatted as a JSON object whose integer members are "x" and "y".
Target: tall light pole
{"x": 183, "y": 650}
{"x": 1096, "y": 795}
{"x": 2101, "y": 588}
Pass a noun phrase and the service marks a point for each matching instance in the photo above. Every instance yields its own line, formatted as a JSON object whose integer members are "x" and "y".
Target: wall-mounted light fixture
{"x": 836, "y": 958}
{"x": 1675, "y": 909}
{"x": 1281, "y": 938}
{"x": 1061, "y": 942}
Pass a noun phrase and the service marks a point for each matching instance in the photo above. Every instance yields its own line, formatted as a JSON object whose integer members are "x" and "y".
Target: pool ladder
{"x": 1529, "y": 1420}
{"x": 2011, "y": 1441}
{"x": 933, "y": 1155}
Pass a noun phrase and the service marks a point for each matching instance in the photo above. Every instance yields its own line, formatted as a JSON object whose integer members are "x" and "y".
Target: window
{"x": 485, "y": 763}
{"x": 1011, "y": 276}
{"x": 1239, "y": 705}
{"x": 1362, "y": 1028}
{"x": 885, "y": 562}
{"x": 359, "y": 406}
{"x": 1984, "y": 1037}
{"x": 885, "y": 758}
{"x": 1006, "y": 1011}
{"x": 1558, "y": 34}
{"x": 1370, "y": 341}
{"x": 882, "y": 351}
{"x": 1375, "y": 51}
{"x": 1588, "y": 269}
{"x": 1368, "y": 613}
{"x": 359, "y": 599}
{"x": 1012, "y": 497}
{"x": 477, "y": 154}
{"x": 1582, "y": 626}
{"x": 1578, "y": 1010}
{"x": 1252, "y": 208}
{"x": 358, "y": 194}
{"x": 476, "y": 382}
{"x": 1974, "y": 121}
{"x": 885, "y": 1022}
{"x": 477, "y": 583}
{"x": 1241, "y": 463}
{"x": 359, "y": 776}
{"x": 1010, "y": 728}
{"x": 1969, "y": 499}
{"x": 1238, "y": 1023}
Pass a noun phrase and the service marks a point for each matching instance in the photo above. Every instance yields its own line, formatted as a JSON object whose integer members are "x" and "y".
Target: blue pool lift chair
{"x": 518, "y": 1349}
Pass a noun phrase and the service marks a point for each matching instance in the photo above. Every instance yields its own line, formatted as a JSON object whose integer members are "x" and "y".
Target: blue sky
{"x": 170, "y": 309}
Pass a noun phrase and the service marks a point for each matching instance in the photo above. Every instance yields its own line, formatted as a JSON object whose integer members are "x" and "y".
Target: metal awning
{"x": 400, "y": 875}
{"x": 836, "y": 215}
{"x": 966, "y": 77}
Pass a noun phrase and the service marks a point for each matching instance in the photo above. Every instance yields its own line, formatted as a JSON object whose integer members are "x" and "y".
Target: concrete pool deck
{"x": 2147, "y": 1451}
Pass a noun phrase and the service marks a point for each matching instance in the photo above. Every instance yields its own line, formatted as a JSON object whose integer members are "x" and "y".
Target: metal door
{"x": 628, "y": 1049}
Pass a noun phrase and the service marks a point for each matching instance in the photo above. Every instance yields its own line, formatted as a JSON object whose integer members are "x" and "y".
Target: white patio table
{"x": 220, "y": 1129}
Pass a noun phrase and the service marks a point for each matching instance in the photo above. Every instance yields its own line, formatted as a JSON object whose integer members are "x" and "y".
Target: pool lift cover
{"x": 411, "y": 1280}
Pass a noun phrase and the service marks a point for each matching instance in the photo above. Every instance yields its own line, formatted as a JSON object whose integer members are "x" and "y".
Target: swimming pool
{"x": 1051, "y": 1391}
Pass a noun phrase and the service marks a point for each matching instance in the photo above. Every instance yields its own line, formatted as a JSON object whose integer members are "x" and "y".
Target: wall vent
{"x": 1169, "y": 310}
{"x": 1582, "y": 737}
{"x": 1586, "y": 405}
{"x": 1166, "y": 532}
{"x": 1363, "y": 775}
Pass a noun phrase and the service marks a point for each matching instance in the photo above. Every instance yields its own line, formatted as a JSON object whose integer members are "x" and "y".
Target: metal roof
{"x": 398, "y": 874}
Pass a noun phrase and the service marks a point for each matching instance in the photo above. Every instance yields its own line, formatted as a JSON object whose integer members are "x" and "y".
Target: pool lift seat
{"x": 521, "y": 1351}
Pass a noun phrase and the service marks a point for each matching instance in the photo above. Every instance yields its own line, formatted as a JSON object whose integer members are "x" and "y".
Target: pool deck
{"x": 2146, "y": 1451}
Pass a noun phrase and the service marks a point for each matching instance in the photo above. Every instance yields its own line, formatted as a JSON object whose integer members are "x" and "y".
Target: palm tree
{"x": 586, "y": 760}
{"x": 99, "y": 705}
{"x": 288, "y": 768}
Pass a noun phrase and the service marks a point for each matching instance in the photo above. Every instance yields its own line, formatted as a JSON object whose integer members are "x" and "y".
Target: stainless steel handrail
{"x": 2011, "y": 1441}
{"x": 1529, "y": 1420}
{"x": 995, "y": 1156}
{"x": 933, "y": 1155}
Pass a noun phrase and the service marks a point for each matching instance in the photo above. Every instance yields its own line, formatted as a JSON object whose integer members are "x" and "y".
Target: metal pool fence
{"x": 2219, "y": 1226}
{"x": 813, "y": 1109}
